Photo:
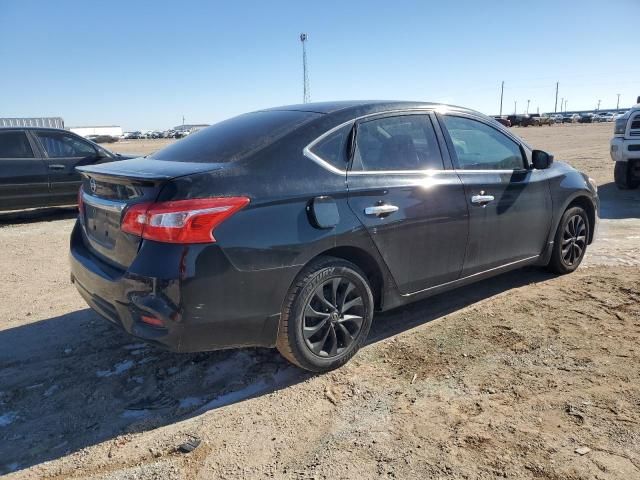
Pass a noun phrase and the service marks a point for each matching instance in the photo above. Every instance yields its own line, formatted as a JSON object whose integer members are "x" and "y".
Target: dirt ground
{"x": 526, "y": 375}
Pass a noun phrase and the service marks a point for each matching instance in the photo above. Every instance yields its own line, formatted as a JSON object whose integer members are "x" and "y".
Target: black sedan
{"x": 290, "y": 227}
{"x": 37, "y": 166}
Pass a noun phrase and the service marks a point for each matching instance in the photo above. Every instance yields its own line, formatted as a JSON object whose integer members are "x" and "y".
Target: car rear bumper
{"x": 202, "y": 300}
{"x": 623, "y": 150}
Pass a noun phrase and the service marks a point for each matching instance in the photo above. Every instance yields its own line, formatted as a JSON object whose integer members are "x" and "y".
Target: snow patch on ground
{"x": 252, "y": 389}
{"x": 134, "y": 414}
{"x": 7, "y": 418}
{"x": 118, "y": 368}
{"x": 190, "y": 402}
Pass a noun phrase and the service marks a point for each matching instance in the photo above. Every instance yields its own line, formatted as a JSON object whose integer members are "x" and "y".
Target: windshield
{"x": 235, "y": 138}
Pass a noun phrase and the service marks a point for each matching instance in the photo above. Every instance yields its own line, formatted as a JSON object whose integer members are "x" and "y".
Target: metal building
{"x": 191, "y": 128}
{"x": 50, "y": 122}
{"x": 112, "y": 130}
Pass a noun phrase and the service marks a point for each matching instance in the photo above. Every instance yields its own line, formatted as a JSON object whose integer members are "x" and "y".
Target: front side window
{"x": 405, "y": 142}
{"x": 15, "y": 145}
{"x": 59, "y": 145}
{"x": 481, "y": 147}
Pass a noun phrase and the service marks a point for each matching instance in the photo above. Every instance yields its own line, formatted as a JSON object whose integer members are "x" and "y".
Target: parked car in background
{"x": 503, "y": 121}
{"x": 571, "y": 118}
{"x": 625, "y": 149}
{"x": 181, "y": 133}
{"x": 516, "y": 120}
{"x": 585, "y": 118}
{"x": 37, "y": 166}
{"x": 102, "y": 138}
{"x": 133, "y": 135}
{"x": 603, "y": 117}
{"x": 557, "y": 118}
{"x": 289, "y": 227}
{"x": 535, "y": 120}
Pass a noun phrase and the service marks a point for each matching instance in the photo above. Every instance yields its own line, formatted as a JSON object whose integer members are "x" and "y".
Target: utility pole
{"x": 561, "y": 104}
{"x": 555, "y": 108}
{"x": 598, "y": 107}
{"x": 565, "y": 105}
{"x": 501, "y": 95}
{"x": 515, "y": 107}
{"x": 305, "y": 75}
{"x": 527, "y": 112}
{"x": 618, "y": 104}
{"x": 183, "y": 120}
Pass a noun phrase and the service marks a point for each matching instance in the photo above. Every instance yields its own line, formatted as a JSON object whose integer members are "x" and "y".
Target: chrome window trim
{"x": 333, "y": 169}
{"x": 102, "y": 203}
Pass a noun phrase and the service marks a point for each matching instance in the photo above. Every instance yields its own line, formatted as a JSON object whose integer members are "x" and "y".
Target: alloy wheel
{"x": 574, "y": 240}
{"x": 333, "y": 317}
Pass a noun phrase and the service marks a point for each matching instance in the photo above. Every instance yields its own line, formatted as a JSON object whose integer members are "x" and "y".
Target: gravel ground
{"x": 524, "y": 376}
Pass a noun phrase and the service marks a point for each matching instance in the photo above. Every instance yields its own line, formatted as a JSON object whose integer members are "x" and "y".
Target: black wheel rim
{"x": 574, "y": 240}
{"x": 333, "y": 317}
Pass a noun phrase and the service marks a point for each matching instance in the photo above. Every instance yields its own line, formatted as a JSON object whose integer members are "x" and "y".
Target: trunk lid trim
{"x": 104, "y": 204}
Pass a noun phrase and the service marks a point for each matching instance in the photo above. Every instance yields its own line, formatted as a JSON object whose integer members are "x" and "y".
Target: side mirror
{"x": 101, "y": 154}
{"x": 541, "y": 159}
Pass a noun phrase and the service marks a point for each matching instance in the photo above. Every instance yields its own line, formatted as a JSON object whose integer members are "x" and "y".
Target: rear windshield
{"x": 235, "y": 138}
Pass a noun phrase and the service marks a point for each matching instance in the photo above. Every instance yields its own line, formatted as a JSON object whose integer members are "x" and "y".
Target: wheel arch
{"x": 587, "y": 205}
{"x": 365, "y": 262}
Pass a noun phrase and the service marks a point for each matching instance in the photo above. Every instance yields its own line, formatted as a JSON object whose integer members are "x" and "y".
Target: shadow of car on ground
{"x": 48, "y": 214}
{"x": 617, "y": 204}
{"x": 76, "y": 380}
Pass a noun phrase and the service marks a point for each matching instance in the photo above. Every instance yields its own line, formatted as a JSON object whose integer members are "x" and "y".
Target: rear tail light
{"x": 181, "y": 221}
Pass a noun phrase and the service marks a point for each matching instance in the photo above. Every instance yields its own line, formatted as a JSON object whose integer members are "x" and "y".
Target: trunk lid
{"x": 110, "y": 188}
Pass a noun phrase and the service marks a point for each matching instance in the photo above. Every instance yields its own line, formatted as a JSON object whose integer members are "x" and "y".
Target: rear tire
{"x": 622, "y": 176}
{"x": 326, "y": 315}
{"x": 570, "y": 241}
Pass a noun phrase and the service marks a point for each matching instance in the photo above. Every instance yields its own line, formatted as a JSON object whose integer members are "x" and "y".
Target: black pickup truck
{"x": 37, "y": 166}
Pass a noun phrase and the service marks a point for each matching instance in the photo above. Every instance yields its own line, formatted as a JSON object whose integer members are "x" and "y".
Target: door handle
{"x": 482, "y": 199}
{"x": 56, "y": 166}
{"x": 379, "y": 210}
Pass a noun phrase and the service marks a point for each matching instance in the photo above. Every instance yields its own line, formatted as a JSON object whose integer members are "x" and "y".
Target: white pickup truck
{"x": 625, "y": 149}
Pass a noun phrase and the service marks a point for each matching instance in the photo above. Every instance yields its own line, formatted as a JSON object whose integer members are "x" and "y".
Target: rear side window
{"x": 405, "y": 142}
{"x": 235, "y": 138}
{"x": 333, "y": 148}
{"x": 15, "y": 145}
{"x": 481, "y": 147}
{"x": 59, "y": 145}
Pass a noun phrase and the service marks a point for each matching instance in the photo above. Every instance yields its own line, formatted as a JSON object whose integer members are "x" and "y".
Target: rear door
{"x": 64, "y": 152}
{"x": 509, "y": 204}
{"x": 23, "y": 175}
{"x": 412, "y": 205}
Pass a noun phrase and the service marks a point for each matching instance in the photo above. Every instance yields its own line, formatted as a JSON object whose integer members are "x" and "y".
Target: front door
{"x": 65, "y": 151}
{"x": 509, "y": 204}
{"x": 23, "y": 175}
{"x": 414, "y": 209}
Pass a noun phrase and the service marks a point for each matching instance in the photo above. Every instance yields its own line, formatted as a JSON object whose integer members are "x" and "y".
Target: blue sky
{"x": 143, "y": 65}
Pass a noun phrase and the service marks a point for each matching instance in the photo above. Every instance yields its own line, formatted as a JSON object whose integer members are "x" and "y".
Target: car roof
{"x": 362, "y": 106}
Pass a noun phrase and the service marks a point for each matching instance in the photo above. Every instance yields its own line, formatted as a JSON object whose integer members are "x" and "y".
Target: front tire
{"x": 622, "y": 176}
{"x": 326, "y": 316}
{"x": 570, "y": 242}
